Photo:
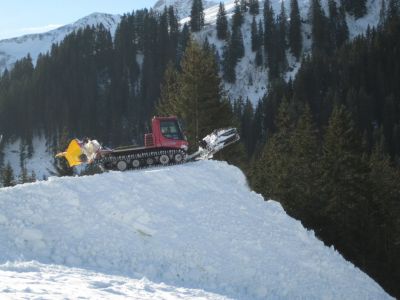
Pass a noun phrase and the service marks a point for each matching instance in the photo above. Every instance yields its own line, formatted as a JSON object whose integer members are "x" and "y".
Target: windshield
{"x": 171, "y": 130}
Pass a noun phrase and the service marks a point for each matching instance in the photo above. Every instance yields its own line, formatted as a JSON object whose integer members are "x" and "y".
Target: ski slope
{"x": 193, "y": 230}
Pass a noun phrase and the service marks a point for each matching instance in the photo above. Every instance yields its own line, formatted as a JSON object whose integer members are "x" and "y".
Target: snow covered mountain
{"x": 183, "y": 7}
{"x": 16, "y": 48}
{"x": 252, "y": 81}
{"x": 187, "y": 231}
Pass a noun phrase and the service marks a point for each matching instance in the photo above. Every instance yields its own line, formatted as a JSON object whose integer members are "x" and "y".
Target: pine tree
{"x": 8, "y": 178}
{"x": 23, "y": 176}
{"x": 356, "y": 8}
{"x": 199, "y": 100}
{"x": 281, "y": 38}
{"x": 255, "y": 39}
{"x": 382, "y": 14}
{"x": 318, "y": 27}
{"x": 270, "y": 39}
{"x": 169, "y": 102}
{"x": 237, "y": 18}
{"x": 254, "y": 7}
{"x": 243, "y": 5}
{"x": 197, "y": 16}
{"x": 222, "y": 23}
{"x": 305, "y": 169}
{"x": 295, "y": 38}
{"x": 272, "y": 172}
{"x": 344, "y": 179}
{"x": 237, "y": 46}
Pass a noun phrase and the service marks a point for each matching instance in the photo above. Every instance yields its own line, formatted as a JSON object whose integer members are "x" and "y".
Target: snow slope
{"x": 252, "y": 81}
{"x": 32, "y": 280}
{"x": 193, "y": 226}
{"x": 16, "y": 48}
{"x": 41, "y": 162}
{"x": 183, "y": 7}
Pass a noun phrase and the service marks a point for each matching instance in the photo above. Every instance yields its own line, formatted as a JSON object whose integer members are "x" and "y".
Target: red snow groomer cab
{"x": 166, "y": 144}
{"x": 166, "y": 132}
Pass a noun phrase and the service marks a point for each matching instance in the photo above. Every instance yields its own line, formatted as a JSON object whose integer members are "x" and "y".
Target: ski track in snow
{"x": 193, "y": 226}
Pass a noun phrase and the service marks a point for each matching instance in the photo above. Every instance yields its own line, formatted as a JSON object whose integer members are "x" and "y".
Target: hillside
{"x": 194, "y": 226}
{"x": 14, "y": 49}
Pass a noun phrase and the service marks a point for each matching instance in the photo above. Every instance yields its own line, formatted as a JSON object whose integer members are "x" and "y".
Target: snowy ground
{"x": 193, "y": 226}
{"x": 32, "y": 280}
{"x": 41, "y": 162}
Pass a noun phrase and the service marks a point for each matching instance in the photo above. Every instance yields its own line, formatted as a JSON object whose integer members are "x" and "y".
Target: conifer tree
{"x": 318, "y": 27}
{"x": 8, "y": 178}
{"x": 281, "y": 39}
{"x": 254, "y": 7}
{"x": 197, "y": 16}
{"x": 295, "y": 38}
{"x": 169, "y": 101}
{"x": 344, "y": 178}
{"x": 337, "y": 26}
{"x": 237, "y": 46}
{"x": 305, "y": 168}
{"x": 270, "y": 38}
{"x": 23, "y": 176}
{"x": 382, "y": 14}
{"x": 222, "y": 23}
{"x": 243, "y": 5}
{"x": 255, "y": 39}
{"x": 272, "y": 172}
{"x": 237, "y": 18}
{"x": 199, "y": 101}
{"x": 356, "y": 8}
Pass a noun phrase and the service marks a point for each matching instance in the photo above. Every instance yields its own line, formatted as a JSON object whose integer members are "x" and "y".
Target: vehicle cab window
{"x": 171, "y": 130}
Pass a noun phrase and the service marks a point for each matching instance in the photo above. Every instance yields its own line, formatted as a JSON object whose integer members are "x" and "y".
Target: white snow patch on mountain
{"x": 183, "y": 7}
{"x": 252, "y": 81}
{"x": 192, "y": 226}
{"x": 16, "y": 48}
{"x": 41, "y": 161}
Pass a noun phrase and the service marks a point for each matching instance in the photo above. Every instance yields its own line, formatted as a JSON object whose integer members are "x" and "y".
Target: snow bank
{"x": 32, "y": 280}
{"x": 195, "y": 226}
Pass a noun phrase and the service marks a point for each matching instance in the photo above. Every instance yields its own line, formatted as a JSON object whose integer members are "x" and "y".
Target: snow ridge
{"x": 14, "y": 49}
{"x": 183, "y": 7}
{"x": 196, "y": 226}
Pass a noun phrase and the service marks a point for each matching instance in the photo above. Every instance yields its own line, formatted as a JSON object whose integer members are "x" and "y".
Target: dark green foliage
{"x": 295, "y": 38}
{"x": 319, "y": 27}
{"x": 254, "y": 7}
{"x": 195, "y": 96}
{"x": 281, "y": 44}
{"x": 337, "y": 25}
{"x": 8, "y": 178}
{"x": 269, "y": 33}
{"x": 255, "y": 39}
{"x": 357, "y": 8}
{"x": 222, "y": 23}
{"x": 92, "y": 85}
{"x": 237, "y": 18}
{"x": 344, "y": 179}
{"x": 197, "y": 16}
{"x": 233, "y": 51}
{"x": 344, "y": 187}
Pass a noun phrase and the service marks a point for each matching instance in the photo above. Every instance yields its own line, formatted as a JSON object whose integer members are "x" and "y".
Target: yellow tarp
{"x": 72, "y": 154}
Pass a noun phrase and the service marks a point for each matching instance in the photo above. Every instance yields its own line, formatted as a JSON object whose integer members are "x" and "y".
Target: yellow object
{"x": 73, "y": 153}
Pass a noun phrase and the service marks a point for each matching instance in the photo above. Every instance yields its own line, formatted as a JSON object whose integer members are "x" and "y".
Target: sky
{"x": 19, "y": 17}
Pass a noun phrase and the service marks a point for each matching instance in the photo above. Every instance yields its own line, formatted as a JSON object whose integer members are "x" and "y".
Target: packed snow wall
{"x": 195, "y": 225}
